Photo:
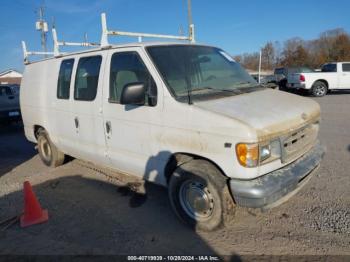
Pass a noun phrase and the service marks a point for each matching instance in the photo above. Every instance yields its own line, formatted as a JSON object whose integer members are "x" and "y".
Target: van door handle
{"x": 76, "y": 122}
{"x": 108, "y": 127}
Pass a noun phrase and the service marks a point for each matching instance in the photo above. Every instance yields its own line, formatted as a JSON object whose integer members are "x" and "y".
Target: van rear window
{"x": 86, "y": 78}
{"x": 64, "y": 78}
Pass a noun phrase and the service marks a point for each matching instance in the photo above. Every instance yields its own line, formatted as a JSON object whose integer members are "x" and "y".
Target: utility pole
{"x": 189, "y": 12}
{"x": 42, "y": 26}
{"x": 190, "y": 22}
{"x": 259, "y": 66}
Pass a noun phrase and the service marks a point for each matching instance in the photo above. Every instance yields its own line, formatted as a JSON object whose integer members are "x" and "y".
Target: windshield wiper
{"x": 236, "y": 91}
{"x": 242, "y": 90}
{"x": 203, "y": 88}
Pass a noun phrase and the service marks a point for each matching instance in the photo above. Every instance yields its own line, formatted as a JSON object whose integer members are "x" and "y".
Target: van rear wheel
{"x": 48, "y": 152}
{"x": 199, "y": 195}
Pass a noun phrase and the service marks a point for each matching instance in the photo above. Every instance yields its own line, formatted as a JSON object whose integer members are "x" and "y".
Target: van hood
{"x": 270, "y": 112}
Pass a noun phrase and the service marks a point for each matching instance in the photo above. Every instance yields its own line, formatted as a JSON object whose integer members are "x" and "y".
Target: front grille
{"x": 297, "y": 143}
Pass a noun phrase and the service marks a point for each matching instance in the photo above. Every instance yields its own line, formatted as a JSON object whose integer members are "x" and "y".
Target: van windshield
{"x": 200, "y": 72}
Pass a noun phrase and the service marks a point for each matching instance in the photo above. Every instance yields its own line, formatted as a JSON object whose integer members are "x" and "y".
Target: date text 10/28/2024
{"x": 173, "y": 258}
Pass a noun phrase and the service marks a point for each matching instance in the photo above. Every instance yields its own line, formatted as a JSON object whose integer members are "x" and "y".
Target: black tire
{"x": 48, "y": 152}
{"x": 283, "y": 85}
{"x": 319, "y": 89}
{"x": 208, "y": 188}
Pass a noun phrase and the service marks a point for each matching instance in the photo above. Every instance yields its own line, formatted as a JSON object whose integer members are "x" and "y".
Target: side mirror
{"x": 133, "y": 94}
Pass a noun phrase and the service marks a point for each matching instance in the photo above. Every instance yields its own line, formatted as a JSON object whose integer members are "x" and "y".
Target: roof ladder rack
{"x": 57, "y": 44}
{"x": 27, "y": 53}
{"x": 106, "y": 33}
{"x": 104, "y": 39}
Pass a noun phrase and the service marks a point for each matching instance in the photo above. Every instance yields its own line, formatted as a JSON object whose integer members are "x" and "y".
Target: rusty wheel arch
{"x": 180, "y": 158}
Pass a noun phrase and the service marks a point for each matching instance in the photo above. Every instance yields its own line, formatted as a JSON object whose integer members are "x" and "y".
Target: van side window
{"x": 64, "y": 78}
{"x": 127, "y": 68}
{"x": 86, "y": 78}
{"x": 346, "y": 67}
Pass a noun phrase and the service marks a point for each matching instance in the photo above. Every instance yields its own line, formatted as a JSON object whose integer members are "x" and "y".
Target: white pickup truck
{"x": 332, "y": 76}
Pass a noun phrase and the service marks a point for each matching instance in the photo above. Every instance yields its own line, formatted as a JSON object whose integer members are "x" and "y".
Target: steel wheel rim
{"x": 45, "y": 149}
{"x": 196, "y": 200}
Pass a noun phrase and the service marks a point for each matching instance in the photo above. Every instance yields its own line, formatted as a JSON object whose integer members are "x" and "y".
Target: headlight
{"x": 253, "y": 154}
{"x": 264, "y": 152}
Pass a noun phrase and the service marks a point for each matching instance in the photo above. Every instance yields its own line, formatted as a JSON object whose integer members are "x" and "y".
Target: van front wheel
{"x": 199, "y": 195}
{"x": 48, "y": 152}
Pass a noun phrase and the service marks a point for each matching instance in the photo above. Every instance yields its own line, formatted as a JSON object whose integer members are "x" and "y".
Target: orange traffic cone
{"x": 33, "y": 214}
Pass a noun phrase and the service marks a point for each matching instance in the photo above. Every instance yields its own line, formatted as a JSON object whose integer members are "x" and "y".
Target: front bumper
{"x": 276, "y": 187}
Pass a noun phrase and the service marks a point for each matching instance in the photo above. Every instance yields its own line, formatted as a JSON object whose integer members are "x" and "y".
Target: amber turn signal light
{"x": 247, "y": 154}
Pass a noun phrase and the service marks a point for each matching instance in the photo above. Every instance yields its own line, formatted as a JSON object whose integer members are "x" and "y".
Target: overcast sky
{"x": 237, "y": 26}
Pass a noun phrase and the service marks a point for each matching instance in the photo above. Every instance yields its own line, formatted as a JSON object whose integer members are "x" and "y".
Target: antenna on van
{"x": 57, "y": 44}
{"x": 105, "y": 33}
{"x": 27, "y": 53}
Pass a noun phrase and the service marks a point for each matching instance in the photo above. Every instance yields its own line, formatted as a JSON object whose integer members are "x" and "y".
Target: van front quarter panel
{"x": 185, "y": 130}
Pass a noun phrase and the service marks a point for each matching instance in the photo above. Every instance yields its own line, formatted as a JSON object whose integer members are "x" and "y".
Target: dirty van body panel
{"x": 34, "y": 100}
{"x": 262, "y": 122}
{"x": 41, "y": 107}
{"x": 63, "y": 112}
{"x": 130, "y": 147}
{"x": 215, "y": 143}
{"x": 270, "y": 112}
{"x": 87, "y": 120}
{"x": 188, "y": 132}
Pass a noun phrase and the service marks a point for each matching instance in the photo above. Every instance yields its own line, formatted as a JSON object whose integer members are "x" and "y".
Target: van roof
{"x": 116, "y": 46}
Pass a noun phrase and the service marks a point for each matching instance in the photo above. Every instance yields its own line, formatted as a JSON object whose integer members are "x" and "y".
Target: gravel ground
{"x": 93, "y": 211}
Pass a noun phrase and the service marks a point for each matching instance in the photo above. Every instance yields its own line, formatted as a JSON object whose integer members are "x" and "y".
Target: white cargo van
{"x": 182, "y": 115}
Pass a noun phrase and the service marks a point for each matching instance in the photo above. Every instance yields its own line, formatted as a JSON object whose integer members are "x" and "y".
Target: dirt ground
{"x": 91, "y": 213}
